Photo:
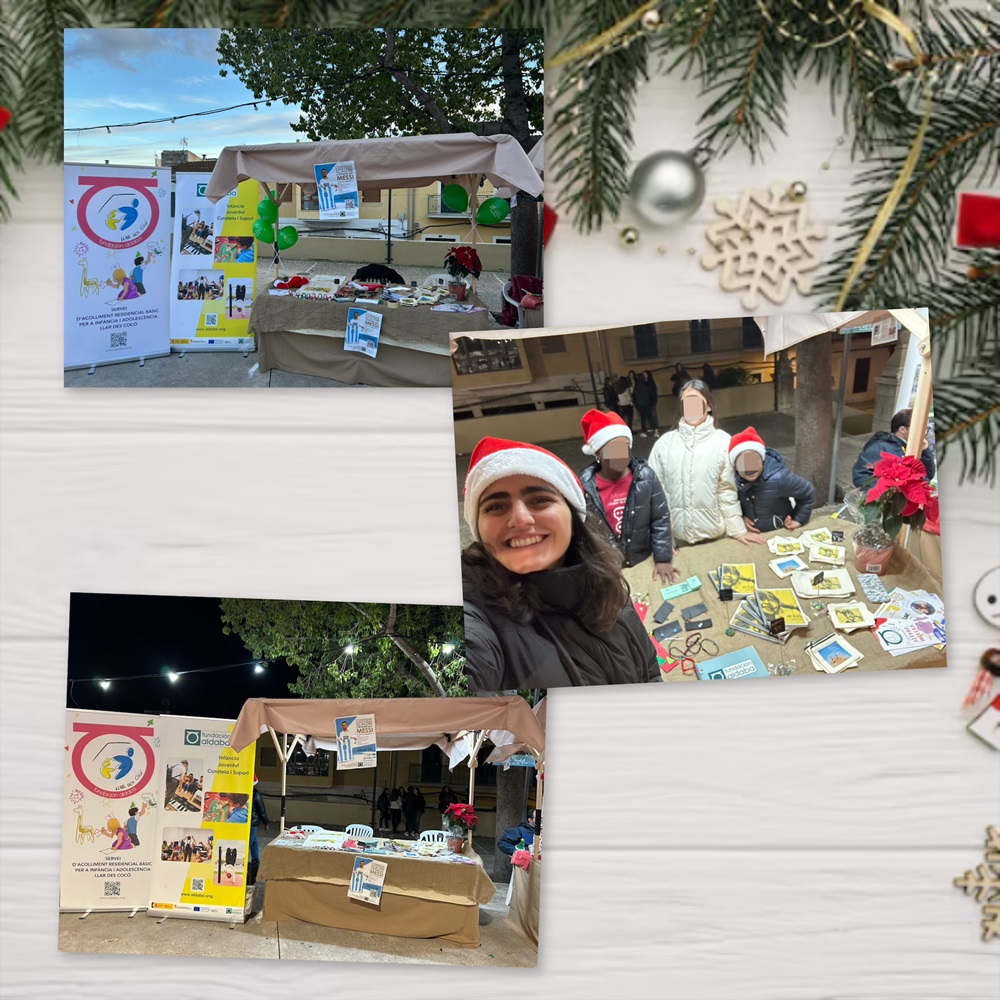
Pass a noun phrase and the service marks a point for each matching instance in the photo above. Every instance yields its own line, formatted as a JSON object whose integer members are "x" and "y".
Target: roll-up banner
{"x": 115, "y": 303}
{"x": 213, "y": 269}
{"x": 203, "y": 830}
{"x": 110, "y": 810}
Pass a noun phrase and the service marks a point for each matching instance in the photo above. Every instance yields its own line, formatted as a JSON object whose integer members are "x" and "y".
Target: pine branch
{"x": 967, "y": 417}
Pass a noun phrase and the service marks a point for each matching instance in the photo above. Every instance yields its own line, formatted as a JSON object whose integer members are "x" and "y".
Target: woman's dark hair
{"x": 699, "y": 386}
{"x": 605, "y": 596}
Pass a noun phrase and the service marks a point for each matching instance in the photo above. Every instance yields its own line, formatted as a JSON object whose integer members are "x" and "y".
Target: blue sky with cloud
{"x": 115, "y": 75}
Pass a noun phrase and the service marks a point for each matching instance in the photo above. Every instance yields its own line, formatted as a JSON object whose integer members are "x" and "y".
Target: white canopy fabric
{"x": 506, "y": 744}
{"x": 781, "y": 332}
{"x": 402, "y": 162}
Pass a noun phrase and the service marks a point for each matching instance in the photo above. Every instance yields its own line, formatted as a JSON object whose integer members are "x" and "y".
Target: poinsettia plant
{"x": 900, "y": 495}
{"x": 460, "y": 818}
{"x": 461, "y": 261}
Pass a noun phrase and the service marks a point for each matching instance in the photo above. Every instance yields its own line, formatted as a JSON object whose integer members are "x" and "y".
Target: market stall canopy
{"x": 400, "y": 723}
{"x": 781, "y": 332}
{"x": 402, "y": 162}
{"x": 506, "y": 744}
{"x": 537, "y": 158}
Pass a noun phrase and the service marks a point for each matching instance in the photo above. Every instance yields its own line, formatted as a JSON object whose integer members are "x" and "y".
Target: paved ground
{"x": 230, "y": 369}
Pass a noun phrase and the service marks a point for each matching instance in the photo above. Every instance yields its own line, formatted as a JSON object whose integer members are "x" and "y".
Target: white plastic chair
{"x": 359, "y": 830}
{"x": 507, "y": 286}
{"x": 438, "y": 835}
{"x": 510, "y": 888}
{"x": 306, "y": 827}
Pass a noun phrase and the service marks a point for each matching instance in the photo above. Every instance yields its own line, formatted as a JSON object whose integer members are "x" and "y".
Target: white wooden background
{"x": 794, "y": 838}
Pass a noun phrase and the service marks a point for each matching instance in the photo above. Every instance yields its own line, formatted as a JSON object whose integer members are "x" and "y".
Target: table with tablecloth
{"x": 905, "y": 571}
{"x": 306, "y": 337}
{"x": 421, "y": 897}
{"x": 524, "y": 899}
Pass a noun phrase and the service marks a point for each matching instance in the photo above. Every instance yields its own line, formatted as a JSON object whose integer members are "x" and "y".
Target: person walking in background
{"x": 645, "y": 401}
{"x": 692, "y": 464}
{"x": 383, "y": 809}
{"x": 395, "y": 809}
{"x": 258, "y": 815}
{"x": 410, "y": 812}
{"x": 679, "y": 378}
{"x": 626, "y": 409}
{"x": 421, "y": 807}
{"x": 610, "y": 396}
{"x": 709, "y": 377}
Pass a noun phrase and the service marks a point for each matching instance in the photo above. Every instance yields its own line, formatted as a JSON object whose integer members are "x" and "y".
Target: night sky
{"x": 117, "y": 635}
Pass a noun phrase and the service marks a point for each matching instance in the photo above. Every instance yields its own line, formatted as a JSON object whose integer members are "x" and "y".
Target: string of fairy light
{"x": 259, "y": 666}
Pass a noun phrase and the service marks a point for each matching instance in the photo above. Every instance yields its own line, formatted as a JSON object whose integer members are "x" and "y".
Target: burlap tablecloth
{"x": 306, "y": 337}
{"x": 696, "y": 560}
{"x": 421, "y": 897}
{"x": 524, "y": 899}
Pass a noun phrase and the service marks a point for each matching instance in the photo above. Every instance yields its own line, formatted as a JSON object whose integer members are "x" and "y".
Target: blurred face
{"x": 749, "y": 465}
{"x": 525, "y": 524}
{"x": 614, "y": 458}
{"x": 694, "y": 407}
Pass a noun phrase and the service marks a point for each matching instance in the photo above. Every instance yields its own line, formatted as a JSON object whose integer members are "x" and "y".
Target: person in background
{"x": 610, "y": 396}
{"x": 395, "y": 809}
{"x": 709, "y": 377}
{"x": 645, "y": 402}
{"x": 625, "y": 495}
{"x": 383, "y": 809}
{"x": 679, "y": 378}
{"x": 546, "y": 604}
{"x": 771, "y": 495}
{"x": 892, "y": 441}
{"x": 625, "y": 402}
{"x": 692, "y": 464}
{"x": 445, "y": 799}
{"x": 525, "y": 831}
{"x": 258, "y": 815}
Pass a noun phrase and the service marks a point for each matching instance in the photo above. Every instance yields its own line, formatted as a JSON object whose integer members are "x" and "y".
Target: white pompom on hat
{"x": 747, "y": 440}
{"x": 496, "y": 458}
{"x": 600, "y": 428}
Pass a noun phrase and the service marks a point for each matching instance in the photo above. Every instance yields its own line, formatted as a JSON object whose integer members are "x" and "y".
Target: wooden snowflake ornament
{"x": 983, "y": 884}
{"x": 764, "y": 244}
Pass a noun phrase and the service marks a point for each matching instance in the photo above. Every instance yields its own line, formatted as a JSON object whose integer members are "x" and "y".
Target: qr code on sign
{"x": 211, "y": 319}
{"x": 119, "y": 339}
{"x": 197, "y": 885}
{"x": 112, "y": 888}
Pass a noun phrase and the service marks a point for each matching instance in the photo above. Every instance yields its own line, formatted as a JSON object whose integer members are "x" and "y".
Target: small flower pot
{"x": 873, "y": 558}
{"x": 457, "y": 288}
{"x": 456, "y": 845}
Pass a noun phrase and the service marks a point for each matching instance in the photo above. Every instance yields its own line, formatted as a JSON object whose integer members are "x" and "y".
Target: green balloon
{"x": 492, "y": 210}
{"x": 455, "y": 197}
{"x": 267, "y": 210}
{"x": 288, "y": 236}
{"x": 264, "y": 231}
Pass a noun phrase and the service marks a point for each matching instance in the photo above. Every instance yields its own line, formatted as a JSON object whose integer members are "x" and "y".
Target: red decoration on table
{"x": 4, "y": 118}
{"x": 522, "y": 859}
{"x": 978, "y": 223}
{"x": 549, "y": 219}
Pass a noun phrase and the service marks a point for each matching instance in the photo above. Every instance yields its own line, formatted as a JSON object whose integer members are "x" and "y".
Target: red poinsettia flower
{"x": 461, "y": 261}
{"x": 891, "y": 471}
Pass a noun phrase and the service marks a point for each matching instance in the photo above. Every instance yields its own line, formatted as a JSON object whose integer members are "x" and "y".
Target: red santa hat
{"x": 255, "y": 779}
{"x": 496, "y": 458}
{"x": 748, "y": 440}
{"x": 600, "y": 428}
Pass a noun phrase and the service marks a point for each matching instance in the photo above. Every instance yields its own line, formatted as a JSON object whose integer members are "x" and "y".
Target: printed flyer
{"x": 363, "y": 331}
{"x": 356, "y": 742}
{"x": 203, "y": 828}
{"x": 367, "y": 880}
{"x": 213, "y": 267}
{"x": 337, "y": 190}
{"x": 110, "y": 809}
{"x": 115, "y": 295}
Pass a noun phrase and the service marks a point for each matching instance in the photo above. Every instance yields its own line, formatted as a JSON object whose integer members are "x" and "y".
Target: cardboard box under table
{"x": 421, "y": 897}
{"x": 306, "y": 337}
{"x": 905, "y": 571}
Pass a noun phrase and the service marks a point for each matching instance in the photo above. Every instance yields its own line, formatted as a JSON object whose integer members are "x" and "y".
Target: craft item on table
{"x": 832, "y": 654}
{"x": 661, "y": 652}
{"x": 296, "y": 281}
{"x": 781, "y": 602}
{"x": 837, "y": 536}
{"x": 692, "y": 583}
{"x": 834, "y": 555}
{"x": 989, "y": 670}
{"x": 986, "y": 725}
{"x": 764, "y": 244}
{"x": 641, "y": 604}
{"x": 922, "y": 603}
{"x": 667, "y": 630}
{"x": 786, "y": 565}
{"x": 983, "y": 884}
{"x": 279, "y": 291}
{"x": 409, "y": 302}
{"x": 697, "y": 624}
{"x": 333, "y": 280}
{"x": 458, "y": 307}
{"x": 740, "y": 663}
{"x": 667, "y": 187}
{"x": 851, "y": 616}
{"x": 663, "y": 612}
{"x": 816, "y": 536}
{"x": 873, "y": 587}
{"x": 695, "y": 611}
{"x": 745, "y": 621}
{"x": 835, "y": 583}
{"x": 785, "y": 545}
{"x": 367, "y": 302}
{"x": 741, "y": 578}
{"x": 898, "y": 636}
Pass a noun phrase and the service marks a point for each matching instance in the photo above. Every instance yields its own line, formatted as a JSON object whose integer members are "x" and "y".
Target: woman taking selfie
{"x": 546, "y": 604}
{"x": 692, "y": 463}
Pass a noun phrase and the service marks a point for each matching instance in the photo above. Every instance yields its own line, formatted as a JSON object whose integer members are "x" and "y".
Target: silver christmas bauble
{"x": 667, "y": 187}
